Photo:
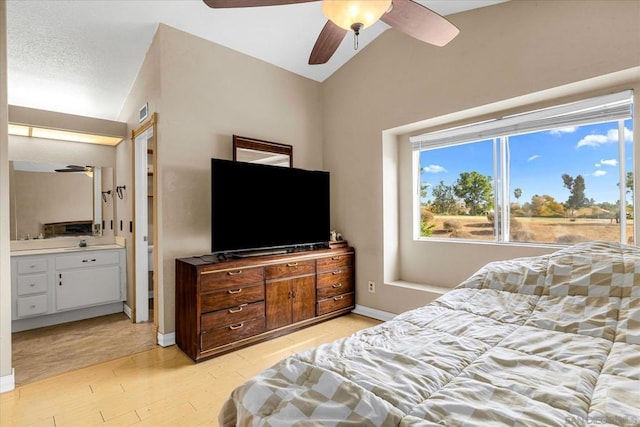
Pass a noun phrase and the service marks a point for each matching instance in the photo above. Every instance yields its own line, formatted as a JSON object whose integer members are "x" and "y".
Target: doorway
{"x": 145, "y": 295}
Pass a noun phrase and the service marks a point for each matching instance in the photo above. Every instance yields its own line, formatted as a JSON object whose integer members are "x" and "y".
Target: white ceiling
{"x": 82, "y": 56}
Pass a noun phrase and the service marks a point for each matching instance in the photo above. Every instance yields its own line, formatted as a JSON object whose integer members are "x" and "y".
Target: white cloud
{"x": 609, "y": 162}
{"x": 595, "y": 140}
{"x": 560, "y": 131}
{"x": 535, "y": 156}
{"x": 433, "y": 169}
{"x": 600, "y": 172}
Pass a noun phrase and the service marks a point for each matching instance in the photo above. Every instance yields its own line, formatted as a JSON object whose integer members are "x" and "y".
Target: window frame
{"x": 614, "y": 107}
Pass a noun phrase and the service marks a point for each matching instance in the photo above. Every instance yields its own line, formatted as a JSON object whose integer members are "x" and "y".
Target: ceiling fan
{"x": 76, "y": 168}
{"x": 406, "y": 16}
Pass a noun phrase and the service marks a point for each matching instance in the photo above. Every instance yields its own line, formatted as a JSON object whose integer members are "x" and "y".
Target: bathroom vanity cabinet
{"x": 61, "y": 285}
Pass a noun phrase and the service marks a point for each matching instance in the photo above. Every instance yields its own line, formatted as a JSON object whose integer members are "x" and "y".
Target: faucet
{"x": 82, "y": 244}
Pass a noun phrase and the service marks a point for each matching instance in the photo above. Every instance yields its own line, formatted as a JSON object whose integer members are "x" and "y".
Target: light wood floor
{"x": 44, "y": 352}
{"x": 159, "y": 387}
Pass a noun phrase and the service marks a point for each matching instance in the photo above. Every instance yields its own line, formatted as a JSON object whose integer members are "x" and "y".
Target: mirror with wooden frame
{"x": 265, "y": 152}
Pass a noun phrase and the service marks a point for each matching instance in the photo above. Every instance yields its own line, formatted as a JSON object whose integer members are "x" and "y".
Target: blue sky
{"x": 539, "y": 160}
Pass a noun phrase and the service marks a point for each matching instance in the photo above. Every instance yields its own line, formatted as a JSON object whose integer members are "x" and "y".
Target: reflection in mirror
{"x": 259, "y": 151}
{"x": 52, "y": 200}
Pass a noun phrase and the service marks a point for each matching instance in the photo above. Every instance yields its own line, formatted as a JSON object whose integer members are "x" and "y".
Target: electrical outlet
{"x": 372, "y": 286}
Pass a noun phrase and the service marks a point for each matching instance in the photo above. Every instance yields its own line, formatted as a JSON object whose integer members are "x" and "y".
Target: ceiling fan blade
{"x": 224, "y": 4}
{"x": 328, "y": 41}
{"x": 420, "y": 22}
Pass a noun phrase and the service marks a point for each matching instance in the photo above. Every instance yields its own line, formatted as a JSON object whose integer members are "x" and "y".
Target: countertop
{"x": 70, "y": 249}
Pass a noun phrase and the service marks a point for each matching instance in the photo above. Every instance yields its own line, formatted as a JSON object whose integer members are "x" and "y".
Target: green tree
{"x": 517, "y": 193}
{"x": 444, "y": 200}
{"x": 576, "y": 188}
{"x": 423, "y": 190}
{"x": 608, "y": 206}
{"x": 628, "y": 182}
{"x": 545, "y": 205}
{"x": 476, "y": 190}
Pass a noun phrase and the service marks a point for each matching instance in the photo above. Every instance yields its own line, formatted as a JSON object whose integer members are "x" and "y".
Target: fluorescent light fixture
{"x": 62, "y": 135}
{"x": 19, "y": 130}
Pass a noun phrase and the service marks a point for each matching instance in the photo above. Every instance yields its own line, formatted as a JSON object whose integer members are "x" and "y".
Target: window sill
{"x": 439, "y": 290}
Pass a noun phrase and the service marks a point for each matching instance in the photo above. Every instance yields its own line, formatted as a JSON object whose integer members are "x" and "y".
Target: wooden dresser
{"x": 225, "y": 305}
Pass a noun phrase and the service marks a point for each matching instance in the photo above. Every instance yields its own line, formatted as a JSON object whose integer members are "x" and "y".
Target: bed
{"x": 552, "y": 340}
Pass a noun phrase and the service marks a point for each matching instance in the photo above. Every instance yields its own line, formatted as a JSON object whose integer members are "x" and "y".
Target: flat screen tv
{"x": 256, "y": 207}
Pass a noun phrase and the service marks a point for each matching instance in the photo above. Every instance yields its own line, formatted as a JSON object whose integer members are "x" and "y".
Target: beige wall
{"x": 146, "y": 89}
{"x": 207, "y": 93}
{"x": 60, "y": 152}
{"x": 108, "y": 210}
{"x": 504, "y": 52}
{"x": 64, "y": 121}
{"x": 5, "y": 276}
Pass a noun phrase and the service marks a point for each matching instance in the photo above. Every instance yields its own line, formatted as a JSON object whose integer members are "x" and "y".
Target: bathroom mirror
{"x": 259, "y": 151}
{"x": 59, "y": 200}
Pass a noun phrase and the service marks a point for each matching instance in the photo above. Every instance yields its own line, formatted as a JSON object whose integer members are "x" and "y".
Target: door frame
{"x": 139, "y": 197}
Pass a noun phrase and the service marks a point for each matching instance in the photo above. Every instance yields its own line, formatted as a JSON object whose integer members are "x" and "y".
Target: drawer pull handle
{"x": 338, "y": 298}
{"x": 32, "y": 284}
{"x": 234, "y": 291}
{"x": 234, "y": 273}
{"x": 89, "y": 260}
{"x": 237, "y": 310}
{"x": 335, "y": 258}
{"x": 336, "y": 272}
{"x": 292, "y": 264}
{"x": 336, "y": 286}
{"x": 236, "y": 326}
{"x": 32, "y": 306}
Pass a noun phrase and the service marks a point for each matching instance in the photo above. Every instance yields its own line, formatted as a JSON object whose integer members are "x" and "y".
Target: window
{"x": 560, "y": 175}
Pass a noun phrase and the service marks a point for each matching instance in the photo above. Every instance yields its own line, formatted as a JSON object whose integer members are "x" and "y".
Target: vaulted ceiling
{"x": 81, "y": 57}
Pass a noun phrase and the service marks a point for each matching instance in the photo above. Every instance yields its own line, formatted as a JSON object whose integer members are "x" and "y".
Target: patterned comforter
{"x": 539, "y": 341}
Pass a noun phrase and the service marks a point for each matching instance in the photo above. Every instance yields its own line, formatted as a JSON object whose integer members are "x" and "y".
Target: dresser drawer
{"x": 337, "y": 275}
{"x": 336, "y": 303}
{"x": 87, "y": 259}
{"x": 30, "y": 306}
{"x": 334, "y": 289}
{"x": 290, "y": 269}
{"x": 231, "y": 333}
{"x": 32, "y": 265}
{"x": 231, "y": 316}
{"x": 32, "y": 284}
{"x": 333, "y": 262}
{"x": 232, "y": 297}
{"x": 226, "y": 279}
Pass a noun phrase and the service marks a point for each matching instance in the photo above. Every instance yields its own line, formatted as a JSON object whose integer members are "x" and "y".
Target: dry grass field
{"x": 538, "y": 230}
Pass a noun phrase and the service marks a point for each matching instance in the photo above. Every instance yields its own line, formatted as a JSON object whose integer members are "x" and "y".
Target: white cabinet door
{"x": 85, "y": 287}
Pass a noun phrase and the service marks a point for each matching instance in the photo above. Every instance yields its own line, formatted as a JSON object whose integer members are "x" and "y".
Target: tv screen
{"x": 257, "y": 207}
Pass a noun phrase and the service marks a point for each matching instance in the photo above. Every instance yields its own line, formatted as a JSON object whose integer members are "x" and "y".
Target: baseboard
{"x": 127, "y": 310}
{"x": 8, "y": 382}
{"x": 166, "y": 340}
{"x": 34, "y": 322}
{"x": 373, "y": 313}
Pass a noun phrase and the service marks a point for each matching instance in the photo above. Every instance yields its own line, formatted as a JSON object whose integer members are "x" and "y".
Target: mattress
{"x": 552, "y": 340}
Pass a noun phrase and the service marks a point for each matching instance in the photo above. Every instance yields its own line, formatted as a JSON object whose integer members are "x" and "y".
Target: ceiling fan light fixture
{"x": 351, "y": 14}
